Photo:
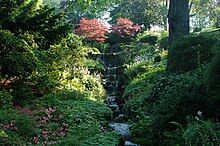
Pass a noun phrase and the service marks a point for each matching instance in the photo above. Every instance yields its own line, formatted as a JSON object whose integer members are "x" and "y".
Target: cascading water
{"x": 111, "y": 75}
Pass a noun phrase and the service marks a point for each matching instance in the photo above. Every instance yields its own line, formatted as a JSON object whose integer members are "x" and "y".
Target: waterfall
{"x": 111, "y": 76}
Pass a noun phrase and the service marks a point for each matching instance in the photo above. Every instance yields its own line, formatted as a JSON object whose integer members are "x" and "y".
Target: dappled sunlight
{"x": 100, "y": 73}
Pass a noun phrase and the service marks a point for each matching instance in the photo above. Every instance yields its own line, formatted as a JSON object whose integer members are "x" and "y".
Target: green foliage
{"x": 163, "y": 41}
{"x": 18, "y": 127}
{"x": 28, "y": 60}
{"x": 136, "y": 51}
{"x": 149, "y": 37}
{"x": 84, "y": 83}
{"x": 5, "y": 99}
{"x": 17, "y": 58}
{"x": 213, "y": 72}
{"x": 76, "y": 9}
{"x": 135, "y": 69}
{"x": 191, "y": 51}
{"x": 141, "y": 131}
{"x": 169, "y": 98}
{"x": 202, "y": 133}
{"x": 197, "y": 132}
{"x": 45, "y": 66}
{"x": 86, "y": 119}
{"x": 36, "y": 59}
{"x": 146, "y": 12}
{"x": 77, "y": 111}
{"x": 177, "y": 97}
{"x": 213, "y": 83}
{"x": 137, "y": 92}
{"x": 159, "y": 104}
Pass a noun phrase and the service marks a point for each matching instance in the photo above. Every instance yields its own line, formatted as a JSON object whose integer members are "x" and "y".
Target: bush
{"x": 170, "y": 98}
{"x": 141, "y": 131}
{"x": 163, "y": 41}
{"x": 85, "y": 120}
{"x": 213, "y": 83}
{"x": 135, "y": 69}
{"x": 188, "y": 53}
{"x": 137, "y": 92}
{"x": 202, "y": 133}
{"x": 176, "y": 98}
{"x": 159, "y": 104}
{"x": 92, "y": 29}
{"x": 140, "y": 83}
{"x": 82, "y": 83}
{"x": 20, "y": 128}
{"x": 135, "y": 52}
{"x": 149, "y": 37}
{"x": 5, "y": 99}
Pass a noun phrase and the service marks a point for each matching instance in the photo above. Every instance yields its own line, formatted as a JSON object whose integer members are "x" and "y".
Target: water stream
{"x": 111, "y": 75}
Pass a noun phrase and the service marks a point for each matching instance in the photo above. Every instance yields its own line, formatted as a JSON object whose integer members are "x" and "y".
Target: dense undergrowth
{"x": 51, "y": 92}
{"x": 179, "y": 107}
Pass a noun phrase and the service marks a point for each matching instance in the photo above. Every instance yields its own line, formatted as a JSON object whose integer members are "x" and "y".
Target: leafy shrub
{"x": 125, "y": 27}
{"x": 213, "y": 72}
{"x": 177, "y": 97}
{"x": 202, "y": 133}
{"x": 135, "y": 52}
{"x": 20, "y": 128}
{"x": 63, "y": 95}
{"x": 17, "y": 56}
{"x": 85, "y": 109}
{"x": 141, "y": 131}
{"x": 92, "y": 29}
{"x": 196, "y": 132}
{"x": 163, "y": 41}
{"x": 135, "y": 69}
{"x": 5, "y": 99}
{"x": 140, "y": 83}
{"x": 159, "y": 104}
{"x": 213, "y": 83}
{"x": 108, "y": 138}
{"x": 26, "y": 37}
{"x": 190, "y": 52}
{"x": 170, "y": 98}
{"x": 149, "y": 37}
{"x": 137, "y": 92}
{"x": 85, "y": 120}
{"x": 85, "y": 84}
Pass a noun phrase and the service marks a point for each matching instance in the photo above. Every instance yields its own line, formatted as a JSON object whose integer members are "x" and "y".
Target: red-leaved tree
{"x": 125, "y": 27}
{"x": 92, "y": 29}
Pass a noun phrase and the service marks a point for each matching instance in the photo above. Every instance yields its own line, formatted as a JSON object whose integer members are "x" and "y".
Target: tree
{"x": 204, "y": 13}
{"x": 125, "y": 27}
{"x": 92, "y": 29}
{"x": 178, "y": 18}
{"x": 143, "y": 12}
{"x": 77, "y": 9}
{"x": 27, "y": 34}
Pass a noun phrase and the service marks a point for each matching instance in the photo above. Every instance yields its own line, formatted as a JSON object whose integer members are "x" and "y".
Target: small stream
{"x": 111, "y": 76}
{"x": 118, "y": 124}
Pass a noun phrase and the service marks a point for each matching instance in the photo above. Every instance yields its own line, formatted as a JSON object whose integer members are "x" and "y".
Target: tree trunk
{"x": 178, "y": 19}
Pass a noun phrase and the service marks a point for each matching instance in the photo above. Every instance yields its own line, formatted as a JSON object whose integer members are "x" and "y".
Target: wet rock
{"x": 121, "y": 128}
{"x": 128, "y": 143}
{"x": 119, "y": 119}
{"x": 113, "y": 107}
